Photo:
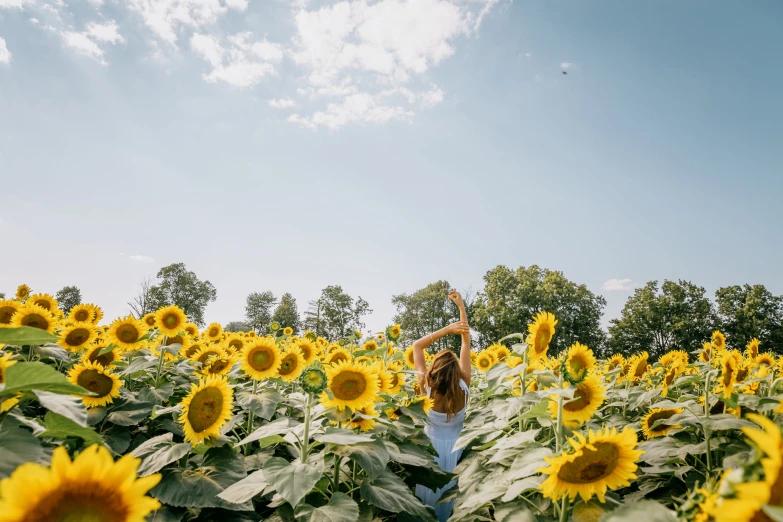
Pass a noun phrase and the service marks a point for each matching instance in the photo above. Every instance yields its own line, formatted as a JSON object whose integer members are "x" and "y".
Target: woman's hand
{"x": 457, "y": 298}
{"x": 459, "y": 328}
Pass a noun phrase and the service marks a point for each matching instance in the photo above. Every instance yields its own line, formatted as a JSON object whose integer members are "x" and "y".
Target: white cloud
{"x": 5, "y": 56}
{"x": 82, "y": 44}
{"x": 356, "y": 108}
{"x": 244, "y": 64}
{"x": 282, "y": 103}
{"x": 87, "y": 41}
{"x": 14, "y": 4}
{"x": 166, "y": 17}
{"x": 567, "y": 65}
{"x": 33, "y": 21}
{"x": 142, "y": 259}
{"x": 432, "y": 97}
{"x": 618, "y": 285}
{"x": 108, "y": 32}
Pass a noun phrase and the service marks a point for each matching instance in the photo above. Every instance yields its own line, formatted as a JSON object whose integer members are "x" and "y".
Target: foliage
{"x": 142, "y": 304}
{"x": 258, "y": 310}
{"x": 511, "y": 297}
{"x": 179, "y": 286}
{"x": 747, "y": 312}
{"x": 68, "y": 297}
{"x": 678, "y": 316}
{"x": 286, "y": 313}
{"x": 237, "y": 326}
{"x": 336, "y": 314}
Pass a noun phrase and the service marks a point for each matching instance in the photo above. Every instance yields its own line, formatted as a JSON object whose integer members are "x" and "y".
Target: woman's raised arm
{"x": 464, "y": 351}
{"x": 422, "y": 344}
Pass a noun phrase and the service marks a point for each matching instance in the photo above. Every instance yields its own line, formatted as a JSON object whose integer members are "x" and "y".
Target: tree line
{"x": 656, "y": 318}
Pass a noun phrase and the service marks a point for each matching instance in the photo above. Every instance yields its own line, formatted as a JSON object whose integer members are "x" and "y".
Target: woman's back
{"x": 442, "y": 427}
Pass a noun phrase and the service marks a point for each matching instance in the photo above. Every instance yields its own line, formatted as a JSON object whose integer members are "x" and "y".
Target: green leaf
{"x": 17, "y": 446}
{"x": 139, "y": 364}
{"x": 390, "y": 493}
{"x": 52, "y": 351}
{"x": 292, "y": 480}
{"x": 647, "y": 510}
{"x": 263, "y": 404}
{"x": 150, "y": 446}
{"x": 514, "y": 512}
{"x": 246, "y": 488}
{"x": 167, "y": 514}
{"x": 65, "y": 405}
{"x": 163, "y": 457}
{"x": 408, "y": 453}
{"x": 527, "y": 463}
{"x": 118, "y": 439}
{"x": 371, "y": 456}
{"x": 28, "y": 376}
{"x": 199, "y": 488}
{"x": 26, "y": 336}
{"x": 130, "y": 412}
{"x": 340, "y": 508}
{"x": 59, "y": 427}
{"x": 773, "y": 512}
{"x": 157, "y": 395}
{"x": 278, "y": 427}
{"x": 106, "y": 350}
{"x": 341, "y": 436}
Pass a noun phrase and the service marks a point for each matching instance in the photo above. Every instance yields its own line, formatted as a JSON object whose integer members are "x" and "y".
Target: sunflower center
{"x": 2, "y": 376}
{"x": 171, "y": 320}
{"x": 591, "y": 466}
{"x": 205, "y": 409}
{"x": 96, "y": 382}
{"x": 80, "y": 502}
{"x": 6, "y": 313}
{"x": 43, "y": 303}
{"x": 105, "y": 359}
{"x": 127, "y": 333}
{"x": 35, "y": 321}
{"x": 348, "y": 385}
{"x": 728, "y": 376}
{"x": 484, "y": 362}
{"x": 236, "y": 344}
{"x": 314, "y": 379}
{"x": 206, "y": 355}
{"x": 661, "y": 415}
{"x": 192, "y": 350}
{"x": 542, "y": 338}
{"x": 289, "y": 364}
{"x": 81, "y": 315}
{"x": 741, "y": 374}
{"x": 582, "y": 398}
{"x": 218, "y": 366}
{"x": 261, "y": 359}
{"x": 305, "y": 351}
{"x": 339, "y": 356}
{"x": 150, "y": 321}
{"x": 576, "y": 365}
{"x": 213, "y": 332}
{"x": 77, "y": 337}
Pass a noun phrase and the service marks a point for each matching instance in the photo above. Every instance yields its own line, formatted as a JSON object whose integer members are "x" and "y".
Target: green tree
{"x": 678, "y": 316}
{"x": 745, "y": 312}
{"x": 512, "y": 297}
{"x": 258, "y": 310}
{"x": 427, "y": 310}
{"x": 181, "y": 287}
{"x": 287, "y": 314}
{"x": 68, "y": 297}
{"x": 335, "y": 314}
{"x": 237, "y": 326}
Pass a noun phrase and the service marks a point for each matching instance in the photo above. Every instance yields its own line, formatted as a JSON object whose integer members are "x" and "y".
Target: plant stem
{"x": 250, "y": 418}
{"x": 31, "y": 353}
{"x": 707, "y": 418}
{"x": 160, "y": 362}
{"x": 306, "y": 437}
{"x": 336, "y": 482}
{"x": 564, "y": 509}
{"x": 559, "y": 426}
{"x": 523, "y": 384}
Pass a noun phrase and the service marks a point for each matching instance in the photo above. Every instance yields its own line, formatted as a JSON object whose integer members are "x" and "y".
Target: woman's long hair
{"x": 443, "y": 377}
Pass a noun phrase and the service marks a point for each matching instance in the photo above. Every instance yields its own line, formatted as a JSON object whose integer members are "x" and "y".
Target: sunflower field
{"x": 153, "y": 419}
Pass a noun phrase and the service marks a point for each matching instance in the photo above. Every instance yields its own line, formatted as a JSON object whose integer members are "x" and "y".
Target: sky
{"x": 382, "y": 145}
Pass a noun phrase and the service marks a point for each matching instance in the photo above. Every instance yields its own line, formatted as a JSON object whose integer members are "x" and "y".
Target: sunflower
{"x": 261, "y": 359}
{"x": 291, "y": 364}
{"x": 219, "y": 365}
{"x": 705, "y": 355}
{"x": 82, "y": 313}
{"x": 384, "y": 376}
{"x": 8, "y": 308}
{"x": 5, "y": 363}
{"x": 235, "y": 343}
{"x": 765, "y": 359}
{"x": 288, "y": 331}
{"x": 206, "y": 408}
{"x": 275, "y": 326}
{"x": 408, "y": 357}
{"x": 350, "y": 386}
{"x": 397, "y": 378}
{"x": 673, "y": 357}
{"x": 426, "y": 402}
{"x": 671, "y": 373}
{"x": 338, "y": 355}
{"x": 752, "y": 349}
{"x": 540, "y": 333}
{"x": 92, "y": 355}
{"x": 728, "y": 376}
{"x": 358, "y": 334}
{"x": 370, "y": 345}
{"x": 744, "y": 497}
{"x": 92, "y": 488}
{"x": 170, "y": 320}
{"x": 77, "y": 336}
{"x": 97, "y": 314}
{"x": 512, "y": 361}
{"x": 718, "y": 340}
{"x": 308, "y": 349}
{"x": 149, "y": 319}
{"x": 638, "y": 366}
{"x": 601, "y": 461}
{"x": 22, "y": 292}
{"x": 484, "y": 361}
{"x": 578, "y": 362}
{"x": 313, "y": 379}
{"x": 615, "y": 361}
{"x": 191, "y": 329}
{"x": 45, "y": 301}
{"x": 360, "y": 421}
{"x": 207, "y": 352}
{"x": 659, "y": 414}
{"x": 379, "y": 336}
{"x": 394, "y": 332}
{"x": 589, "y": 395}
{"x": 500, "y": 351}
{"x": 35, "y": 317}
{"x": 93, "y": 377}
{"x": 127, "y": 332}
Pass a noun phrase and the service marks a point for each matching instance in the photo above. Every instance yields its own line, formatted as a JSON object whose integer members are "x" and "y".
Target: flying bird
{"x": 564, "y": 72}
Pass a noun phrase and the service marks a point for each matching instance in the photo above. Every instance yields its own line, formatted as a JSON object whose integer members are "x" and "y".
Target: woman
{"x": 447, "y": 383}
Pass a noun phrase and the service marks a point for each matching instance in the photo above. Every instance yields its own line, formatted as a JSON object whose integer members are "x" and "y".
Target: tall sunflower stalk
{"x": 160, "y": 361}
{"x": 707, "y": 435}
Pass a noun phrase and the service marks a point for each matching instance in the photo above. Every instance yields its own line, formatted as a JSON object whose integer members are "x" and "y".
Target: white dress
{"x": 443, "y": 435}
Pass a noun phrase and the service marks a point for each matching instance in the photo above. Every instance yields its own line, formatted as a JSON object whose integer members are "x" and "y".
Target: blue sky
{"x": 385, "y": 145}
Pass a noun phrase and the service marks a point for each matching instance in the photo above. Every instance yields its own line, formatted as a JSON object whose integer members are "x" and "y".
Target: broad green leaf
{"x": 773, "y": 512}
{"x": 340, "y": 508}
{"x": 514, "y": 512}
{"x": 163, "y": 457}
{"x": 341, "y": 436}
{"x": 485, "y": 493}
{"x": 52, "y": 351}
{"x": 390, "y": 493}
{"x": 66, "y": 405}
{"x": 139, "y": 364}
{"x": 28, "y": 376}
{"x": 167, "y": 514}
{"x": 150, "y": 446}
{"x": 118, "y": 439}
{"x": 371, "y": 456}
{"x": 157, "y": 395}
{"x": 647, "y": 510}
{"x": 527, "y": 463}
{"x": 520, "y": 486}
{"x": 407, "y": 453}
{"x": 263, "y": 404}
{"x": 59, "y": 427}
{"x": 96, "y": 415}
{"x": 292, "y": 480}
{"x": 26, "y": 336}
{"x": 17, "y": 446}
{"x": 246, "y": 488}
{"x": 130, "y": 412}
{"x": 278, "y": 427}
